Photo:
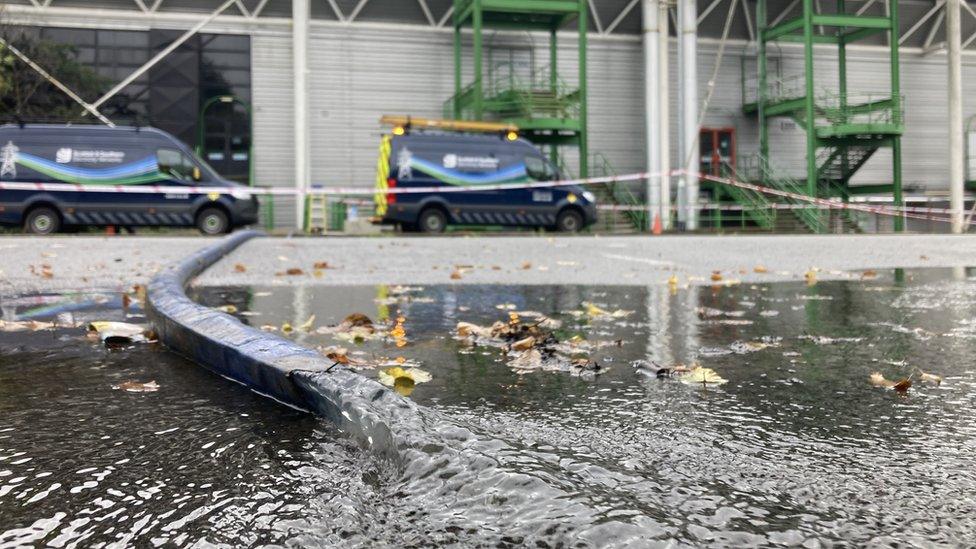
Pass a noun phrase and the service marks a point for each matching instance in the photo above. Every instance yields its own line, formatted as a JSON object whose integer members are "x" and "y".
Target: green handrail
{"x": 809, "y": 214}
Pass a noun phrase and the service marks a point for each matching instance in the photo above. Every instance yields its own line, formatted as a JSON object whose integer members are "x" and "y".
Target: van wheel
{"x": 213, "y": 221}
{"x": 569, "y": 221}
{"x": 432, "y": 220}
{"x": 42, "y": 220}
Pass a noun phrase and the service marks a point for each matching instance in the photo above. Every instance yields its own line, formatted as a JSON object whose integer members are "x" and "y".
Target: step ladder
{"x": 316, "y": 214}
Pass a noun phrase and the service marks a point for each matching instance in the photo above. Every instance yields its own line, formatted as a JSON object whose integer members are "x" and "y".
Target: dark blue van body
{"x": 473, "y": 160}
{"x": 121, "y": 156}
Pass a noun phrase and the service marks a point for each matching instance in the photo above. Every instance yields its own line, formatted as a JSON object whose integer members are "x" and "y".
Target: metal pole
{"x": 584, "y": 160}
{"x": 664, "y": 127}
{"x": 810, "y": 118}
{"x": 897, "y": 106}
{"x": 300, "y": 17}
{"x": 457, "y": 70}
{"x": 652, "y": 110}
{"x": 476, "y": 21}
{"x": 761, "y": 84}
{"x": 956, "y": 160}
{"x": 688, "y": 18}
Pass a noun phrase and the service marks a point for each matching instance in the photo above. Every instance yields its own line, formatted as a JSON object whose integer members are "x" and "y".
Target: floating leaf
{"x": 229, "y": 309}
{"x": 137, "y": 387}
{"x": 287, "y": 328}
{"x": 524, "y": 344}
{"x": 307, "y": 325}
{"x": 24, "y": 325}
{"x": 701, "y": 376}
{"x": 879, "y": 380}
{"x": 930, "y": 378}
{"x": 117, "y": 333}
{"x": 403, "y": 380}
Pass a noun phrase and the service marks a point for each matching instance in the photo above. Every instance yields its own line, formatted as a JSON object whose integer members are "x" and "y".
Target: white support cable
{"x": 36, "y": 4}
{"x": 47, "y": 3}
{"x": 748, "y": 17}
{"x": 596, "y": 17}
{"x": 447, "y": 15}
{"x": 159, "y": 56}
{"x": 355, "y": 12}
{"x": 338, "y": 12}
{"x": 141, "y": 5}
{"x": 621, "y": 16}
{"x": 427, "y": 13}
{"x": 729, "y": 18}
{"x": 921, "y": 21}
{"x": 936, "y": 25}
{"x": 786, "y": 11}
{"x": 258, "y": 9}
{"x": 156, "y": 5}
{"x": 57, "y": 83}
{"x": 711, "y": 7}
{"x": 867, "y": 5}
{"x": 244, "y": 12}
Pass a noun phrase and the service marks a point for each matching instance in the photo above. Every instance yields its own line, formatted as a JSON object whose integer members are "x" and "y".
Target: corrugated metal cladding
{"x": 362, "y": 72}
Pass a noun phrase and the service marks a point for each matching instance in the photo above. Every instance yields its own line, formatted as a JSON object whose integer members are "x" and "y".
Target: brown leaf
{"x": 240, "y": 268}
{"x": 716, "y": 276}
{"x": 456, "y": 275}
{"x": 524, "y": 344}
{"x": 294, "y": 271}
{"x": 526, "y": 266}
{"x": 356, "y": 320}
{"x": 321, "y": 265}
{"x": 760, "y": 269}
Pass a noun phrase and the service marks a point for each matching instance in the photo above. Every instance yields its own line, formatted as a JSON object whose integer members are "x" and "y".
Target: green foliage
{"x": 26, "y": 95}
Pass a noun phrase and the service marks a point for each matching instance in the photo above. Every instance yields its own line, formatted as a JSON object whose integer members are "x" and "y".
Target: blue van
{"x": 436, "y": 159}
{"x": 121, "y": 156}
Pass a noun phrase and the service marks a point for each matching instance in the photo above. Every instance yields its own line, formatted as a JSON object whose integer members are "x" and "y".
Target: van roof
{"x": 62, "y": 129}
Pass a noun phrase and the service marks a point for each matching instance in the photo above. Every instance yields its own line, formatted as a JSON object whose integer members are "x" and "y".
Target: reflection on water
{"x": 797, "y": 448}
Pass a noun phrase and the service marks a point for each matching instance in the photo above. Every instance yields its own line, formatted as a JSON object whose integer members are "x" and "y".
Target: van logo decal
{"x": 454, "y": 161}
{"x": 8, "y": 159}
{"x": 450, "y": 161}
{"x": 404, "y": 161}
{"x": 63, "y": 156}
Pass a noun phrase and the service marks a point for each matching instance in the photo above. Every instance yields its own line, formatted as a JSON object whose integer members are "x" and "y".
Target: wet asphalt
{"x": 36, "y": 264}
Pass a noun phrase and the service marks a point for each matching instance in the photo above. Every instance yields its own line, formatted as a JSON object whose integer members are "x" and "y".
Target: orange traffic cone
{"x": 656, "y": 228}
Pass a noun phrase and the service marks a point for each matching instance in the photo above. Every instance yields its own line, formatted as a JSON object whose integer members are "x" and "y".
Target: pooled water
{"x": 797, "y": 448}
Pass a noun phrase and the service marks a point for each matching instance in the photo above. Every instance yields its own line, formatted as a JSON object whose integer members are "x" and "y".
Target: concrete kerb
{"x": 268, "y": 364}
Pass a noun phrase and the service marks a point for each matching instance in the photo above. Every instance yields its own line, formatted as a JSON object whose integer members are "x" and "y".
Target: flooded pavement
{"x": 796, "y": 448}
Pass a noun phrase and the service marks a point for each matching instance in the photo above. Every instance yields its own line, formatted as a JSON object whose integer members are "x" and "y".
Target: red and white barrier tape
{"x": 329, "y": 191}
{"x": 819, "y": 203}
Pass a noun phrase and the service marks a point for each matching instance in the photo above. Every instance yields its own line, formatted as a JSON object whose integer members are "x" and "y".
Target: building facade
{"x": 367, "y": 58}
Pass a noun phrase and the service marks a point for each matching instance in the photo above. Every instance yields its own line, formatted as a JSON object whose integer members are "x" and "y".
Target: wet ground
{"x": 797, "y": 448}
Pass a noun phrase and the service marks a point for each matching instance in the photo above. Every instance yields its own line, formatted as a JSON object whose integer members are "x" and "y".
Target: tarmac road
{"x": 86, "y": 262}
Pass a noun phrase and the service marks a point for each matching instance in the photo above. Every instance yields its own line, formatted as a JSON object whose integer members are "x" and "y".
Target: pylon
{"x": 656, "y": 228}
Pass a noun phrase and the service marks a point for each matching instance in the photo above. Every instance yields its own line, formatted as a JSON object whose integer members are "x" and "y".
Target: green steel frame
{"x": 556, "y": 118}
{"x": 845, "y": 131}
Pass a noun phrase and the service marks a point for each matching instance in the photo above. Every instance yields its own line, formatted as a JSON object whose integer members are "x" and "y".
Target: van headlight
{"x": 590, "y": 197}
{"x": 240, "y": 195}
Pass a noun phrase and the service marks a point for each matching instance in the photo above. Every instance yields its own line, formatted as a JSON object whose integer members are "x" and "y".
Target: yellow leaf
{"x": 307, "y": 325}
{"x": 702, "y": 376}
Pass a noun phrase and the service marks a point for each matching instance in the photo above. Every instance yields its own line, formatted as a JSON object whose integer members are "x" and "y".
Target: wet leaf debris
{"x": 533, "y": 345}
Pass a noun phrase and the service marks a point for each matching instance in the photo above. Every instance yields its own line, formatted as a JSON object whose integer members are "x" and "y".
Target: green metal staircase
{"x": 843, "y": 130}
{"x": 546, "y": 110}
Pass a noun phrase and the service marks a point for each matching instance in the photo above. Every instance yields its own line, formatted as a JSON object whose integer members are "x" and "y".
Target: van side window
{"x": 177, "y": 165}
{"x": 538, "y": 169}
